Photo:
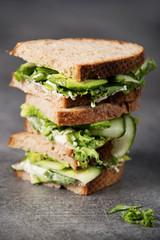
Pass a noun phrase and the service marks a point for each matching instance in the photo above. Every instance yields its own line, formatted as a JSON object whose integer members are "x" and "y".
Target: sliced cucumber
{"x": 37, "y": 178}
{"x": 50, "y": 165}
{"x": 116, "y": 130}
{"x": 121, "y": 145}
{"x": 85, "y": 176}
{"x": 38, "y": 173}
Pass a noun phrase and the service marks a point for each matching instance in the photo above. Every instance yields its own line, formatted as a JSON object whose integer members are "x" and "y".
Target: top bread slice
{"x": 82, "y": 58}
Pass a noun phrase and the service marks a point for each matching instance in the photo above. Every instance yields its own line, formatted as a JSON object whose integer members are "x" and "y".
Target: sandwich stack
{"x": 79, "y": 96}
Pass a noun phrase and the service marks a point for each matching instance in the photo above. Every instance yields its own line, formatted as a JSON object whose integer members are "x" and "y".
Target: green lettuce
{"x": 120, "y": 207}
{"x": 135, "y": 78}
{"x": 58, "y": 83}
{"x": 135, "y": 215}
{"x": 85, "y": 146}
{"x": 82, "y": 141}
{"x": 35, "y": 157}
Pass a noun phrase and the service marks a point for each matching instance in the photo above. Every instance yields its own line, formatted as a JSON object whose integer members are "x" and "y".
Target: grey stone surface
{"x": 38, "y": 212}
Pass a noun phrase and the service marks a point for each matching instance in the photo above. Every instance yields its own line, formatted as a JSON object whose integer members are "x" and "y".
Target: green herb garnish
{"x": 135, "y": 215}
{"x": 121, "y": 208}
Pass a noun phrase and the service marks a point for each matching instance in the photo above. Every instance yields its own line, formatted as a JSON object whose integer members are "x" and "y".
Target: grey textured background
{"x": 37, "y": 212}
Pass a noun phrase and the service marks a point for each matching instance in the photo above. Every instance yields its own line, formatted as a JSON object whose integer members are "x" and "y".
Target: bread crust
{"x": 44, "y": 52}
{"x": 63, "y": 102}
{"x": 105, "y": 179}
{"x": 83, "y": 114}
{"x": 112, "y": 68}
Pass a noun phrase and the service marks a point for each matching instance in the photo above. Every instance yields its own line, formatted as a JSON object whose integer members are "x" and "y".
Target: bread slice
{"x": 83, "y": 114}
{"x": 38, "y": 90}
{"x": 105, "y": 179}
{"x": 82, "y": 58}
{"x": 35, "y": 142}
{"x": 38, "y": 143}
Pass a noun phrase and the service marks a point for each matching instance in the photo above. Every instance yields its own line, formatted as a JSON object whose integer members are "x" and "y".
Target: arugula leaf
{"x": 121, "y": 207}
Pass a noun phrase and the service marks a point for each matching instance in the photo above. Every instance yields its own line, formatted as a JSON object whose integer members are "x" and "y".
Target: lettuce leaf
{"x": 81, "y": 139}
{"x": 35, "y": 157}
{"x": 135, "y": 215}
{"x": 135, "y": 78}
{"x": 120, "y": 207}
{"x": 124, "y": 82}
{"x": 85, "y": 146}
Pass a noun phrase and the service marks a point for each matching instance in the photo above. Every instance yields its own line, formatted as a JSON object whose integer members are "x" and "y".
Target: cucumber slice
{"x": 37, "y": 173}
{"x": 41, "y": 175}
{"x": 116, "y": 130}
{"x": 85, "y": 176}
{"x": 121, "y": 145}
{"x": 37, "y": 178}
{"x": 51, "y": 165}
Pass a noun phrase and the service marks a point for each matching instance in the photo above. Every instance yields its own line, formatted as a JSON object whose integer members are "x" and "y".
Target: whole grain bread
{"x": 105, "y": 179}
{"x": 82, "y": 58}
{"x": 61, "y": 101}
{"x": 32, "y": 141}
{"x": 82, "y": 114}
{"x": 38, "y": 143}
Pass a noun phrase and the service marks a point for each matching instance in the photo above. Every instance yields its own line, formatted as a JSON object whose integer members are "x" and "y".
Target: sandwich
{"x": 79, "y": 97}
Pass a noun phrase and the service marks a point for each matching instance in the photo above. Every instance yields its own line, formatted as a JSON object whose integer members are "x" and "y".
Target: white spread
{"x": 62, "y": 138}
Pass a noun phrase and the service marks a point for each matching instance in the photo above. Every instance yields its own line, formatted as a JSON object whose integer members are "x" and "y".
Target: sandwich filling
{"x": 42, "y": 169}
{"x": 86, "y": 140}
{"x": 98, "y": 89}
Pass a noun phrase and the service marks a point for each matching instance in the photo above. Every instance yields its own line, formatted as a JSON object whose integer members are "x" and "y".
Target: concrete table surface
{"x": 38, "y": 212}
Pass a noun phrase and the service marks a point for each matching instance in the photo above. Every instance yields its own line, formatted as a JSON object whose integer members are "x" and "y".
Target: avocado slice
{"x": 61, "y": 80}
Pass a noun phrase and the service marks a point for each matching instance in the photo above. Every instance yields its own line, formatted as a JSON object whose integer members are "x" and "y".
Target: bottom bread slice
{"x": 105, "y": 179}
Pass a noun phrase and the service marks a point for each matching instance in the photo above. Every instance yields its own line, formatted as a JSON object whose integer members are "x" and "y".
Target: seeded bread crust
{"x": 83, "y": 114}
{"x": 32, "y": 141}
{"x": 82, "y": 58}
{"x": 105, "y": 179}
{"x": 63, "y": 102}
